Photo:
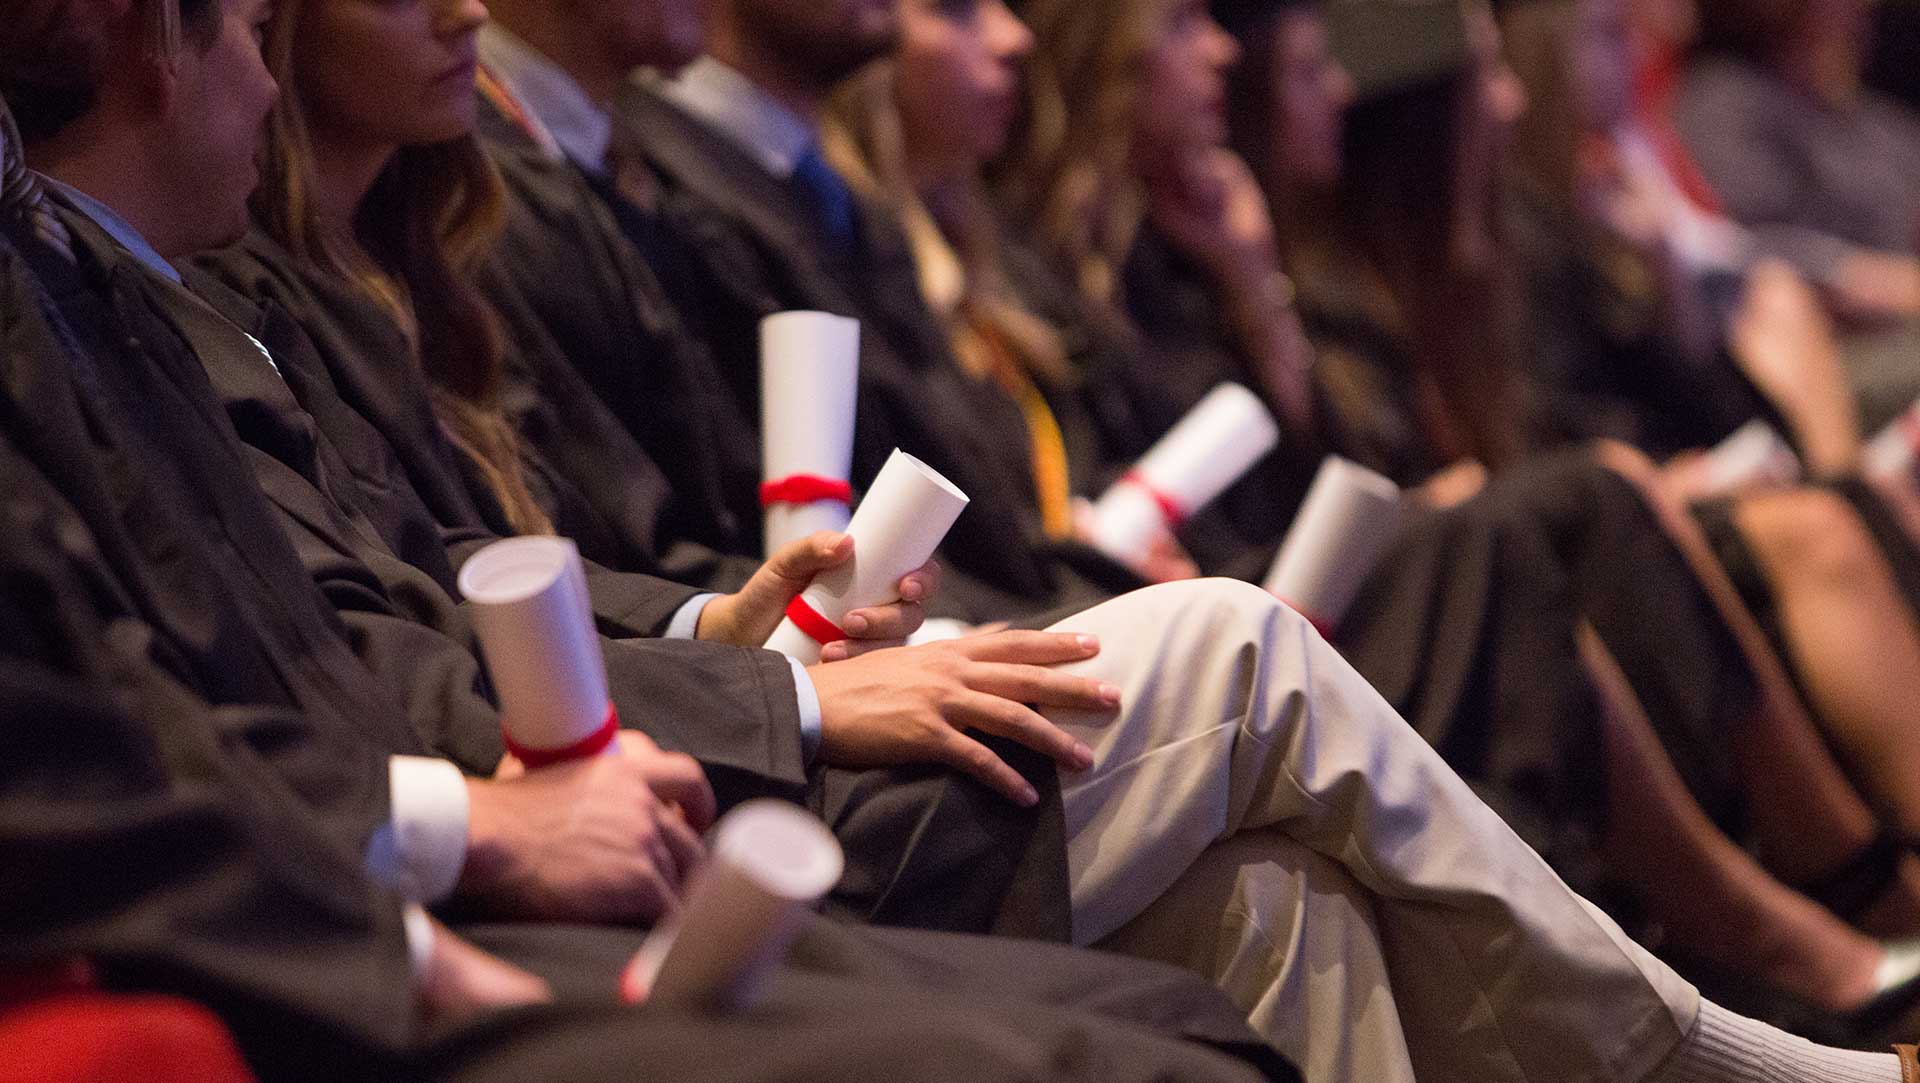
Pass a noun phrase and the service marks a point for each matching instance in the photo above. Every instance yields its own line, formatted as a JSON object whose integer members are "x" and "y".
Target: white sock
{"x": 1729, "y": 1048}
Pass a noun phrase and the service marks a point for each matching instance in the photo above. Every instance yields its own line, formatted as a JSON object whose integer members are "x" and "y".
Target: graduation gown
{"x": 745, "y": 248}
{"x": 926, "y": 847}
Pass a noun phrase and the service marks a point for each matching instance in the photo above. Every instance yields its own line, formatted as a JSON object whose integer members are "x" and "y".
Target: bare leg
{"x": 1710, "y": 895}
{"x": 1851, "y": 637}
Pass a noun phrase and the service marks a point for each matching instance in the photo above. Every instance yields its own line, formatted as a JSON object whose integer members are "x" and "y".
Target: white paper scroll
{"x": 1211, "y": 448}
{"x": 900, "y": 522}
{"x": 1892, "y": 455}
{"x": 1340, "y": 533}
{"x": 809, "y": 381}
{"x": 1755, "y": 454}
{"x": 767, "y": 864}
{"x": 530, "y": 608}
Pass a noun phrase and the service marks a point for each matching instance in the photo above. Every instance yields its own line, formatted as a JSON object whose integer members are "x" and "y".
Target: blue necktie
{"x": 826, "y": 192}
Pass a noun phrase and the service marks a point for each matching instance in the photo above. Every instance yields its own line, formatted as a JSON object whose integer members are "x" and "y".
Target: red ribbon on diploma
{"x": 805, "y": 489}
{"x": 591, "y": 745}
{"x": 808, "y": 619}
{"x": 1170, "y": 509}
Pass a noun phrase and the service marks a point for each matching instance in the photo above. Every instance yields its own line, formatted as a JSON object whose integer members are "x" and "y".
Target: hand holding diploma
{"x": 1340, "y": 533}
{"x": 768, "y": 864}
{"x": 535, "y": 622}
{"x": 809, "y": 383}
{"x": 748, "y": 617}
{"x": 899, "y": 524}
{"x": 1210, "y": 449}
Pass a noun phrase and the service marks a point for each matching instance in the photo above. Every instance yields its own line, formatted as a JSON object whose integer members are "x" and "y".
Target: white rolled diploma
{"x": 768, "y": 863}
{"x": 1340, "y": 533}
{"x": 530, "y": 608}
{"x": 809, "y": 383}
{"x": 1754, "y": 454}
{"x": 1211, "y": 448}
{"x": 1891, "y": 456}
{"x": 900, "y": 522}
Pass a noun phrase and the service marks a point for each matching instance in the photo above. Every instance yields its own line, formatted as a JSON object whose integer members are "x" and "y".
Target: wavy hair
{"x": 430, "y": 218}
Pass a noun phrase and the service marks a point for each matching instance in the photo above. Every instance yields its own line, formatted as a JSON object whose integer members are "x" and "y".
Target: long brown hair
{"x": 429, "y": 219}
{"x": 1071, "y": 171}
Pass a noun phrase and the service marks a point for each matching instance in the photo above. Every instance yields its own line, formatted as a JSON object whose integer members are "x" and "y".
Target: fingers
{"x": 689, "y": 853}
{"x": 970, "y": 757}
{"x": 895, "y": 622}
{"x": 678, "y": 780}
{"x": 1030, "y": 648}
{"x": 1017, "y": 722}
{"x": 749, "y": 617}
{"x": 796, "y": 563}
{"x": 922, "y": 583}
{"x": 1041, "y": 687}
{"x": 854, "y": 648}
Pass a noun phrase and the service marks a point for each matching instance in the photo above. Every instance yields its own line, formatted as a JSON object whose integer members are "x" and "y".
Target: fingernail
{"x": 1110, "y": 694}
{"x": 856, "y": 624}
{"x": 1029, "y": 796}
{"x": 1082, "y": 755}
{"x": 1089, "y": 643}
{"x": 910, "y": 590}
{"x": 833, "y": 652}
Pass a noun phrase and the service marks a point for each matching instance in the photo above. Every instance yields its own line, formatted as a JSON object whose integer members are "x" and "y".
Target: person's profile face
{"x": 1183, "y": 91}
{"x": 662, "y": 34}
{"x": 1311, "y": 93}
{"x": 388, "y": 72}
{"x": 959, "y": 79}
{"x": 224, "y": 94}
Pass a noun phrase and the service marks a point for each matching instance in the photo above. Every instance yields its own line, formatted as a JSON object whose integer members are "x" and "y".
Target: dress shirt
{"x": 774, "y": 135}
{"x": 571, "y": 125}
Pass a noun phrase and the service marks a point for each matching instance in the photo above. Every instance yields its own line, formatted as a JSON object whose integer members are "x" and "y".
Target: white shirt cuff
{"x": 419, "y": 851}
{"x": 809, "y": 702}
{"x": 686, "y": 620}
{"x": 419, "y": 929}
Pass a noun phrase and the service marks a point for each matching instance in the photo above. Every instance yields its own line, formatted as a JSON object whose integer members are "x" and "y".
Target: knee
{"x": 1809, "y": 534}
{"x": 1225, "y": 610}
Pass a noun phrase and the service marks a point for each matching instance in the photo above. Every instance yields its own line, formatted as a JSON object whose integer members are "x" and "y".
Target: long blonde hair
{"x": 952, "y": 231}
{"x": 1070, "y": 172}
{"x": 419, "y": 234}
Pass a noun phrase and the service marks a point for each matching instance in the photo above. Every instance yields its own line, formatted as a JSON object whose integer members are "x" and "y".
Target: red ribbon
{"x": 808, "y": 619}
{"x": 1320, "y": 624}
{"x": 805, "y": 489}
{"x": 590, "y": 745}
{"x": 1170, "y": 509}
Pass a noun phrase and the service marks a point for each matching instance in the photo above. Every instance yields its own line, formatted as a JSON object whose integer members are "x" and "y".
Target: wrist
{"x": 489, "y": 845}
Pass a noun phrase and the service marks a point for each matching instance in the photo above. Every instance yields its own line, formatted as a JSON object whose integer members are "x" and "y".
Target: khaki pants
{"x": 1257, "y": 811}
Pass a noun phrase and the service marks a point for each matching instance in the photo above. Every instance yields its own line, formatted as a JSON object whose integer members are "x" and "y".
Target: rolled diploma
{"x": 530, "y": 608}
{"x": 769, "y": 862}
{"x": 1891, "y": 455}
{"x": 1341, "y": 532}
{"x": 899, "y": 524}
{"x": 1218, "y": 441}
{"x": 809, "y": 383}
{"x": 1754, "y": 453}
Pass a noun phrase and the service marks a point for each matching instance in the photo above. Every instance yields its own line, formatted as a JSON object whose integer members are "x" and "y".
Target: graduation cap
{"x": 1387, "y": 45}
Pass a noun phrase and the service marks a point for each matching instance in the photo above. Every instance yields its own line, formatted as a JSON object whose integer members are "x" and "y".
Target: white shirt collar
{"x": 773, "y": 134}
{"x": 579, "y": 129}
{"x": 116, "y": 227}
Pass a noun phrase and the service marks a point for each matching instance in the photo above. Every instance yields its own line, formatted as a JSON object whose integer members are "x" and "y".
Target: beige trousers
{"x": 1257, "y": 811}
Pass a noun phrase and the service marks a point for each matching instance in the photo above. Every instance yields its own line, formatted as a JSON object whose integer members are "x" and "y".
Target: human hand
{"x": 747, "y": 618}
{"x": 604, "y": 838}
{"x": 1212, "y": 209}
{"x": 916, "y": 704}
{"x": 460, "y": 981}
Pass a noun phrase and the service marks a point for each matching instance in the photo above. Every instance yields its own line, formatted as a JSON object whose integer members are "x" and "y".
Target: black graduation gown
{"x": 214, "y": 850}
{"x": 744, "y": 247}
{"x": 926, "y": 847}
